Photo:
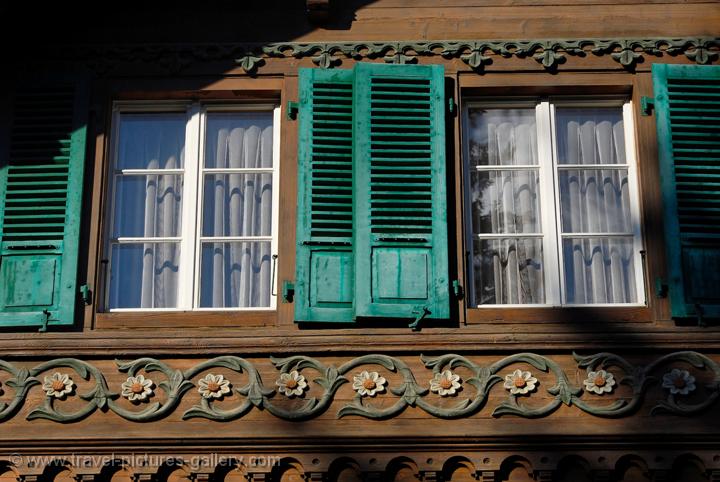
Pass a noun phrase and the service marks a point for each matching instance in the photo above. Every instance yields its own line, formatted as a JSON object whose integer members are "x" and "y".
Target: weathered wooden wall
{"x": 169, "y": 51}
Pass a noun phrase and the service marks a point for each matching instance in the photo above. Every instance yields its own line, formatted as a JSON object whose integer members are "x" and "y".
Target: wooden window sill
{"x": 604, "y": 314}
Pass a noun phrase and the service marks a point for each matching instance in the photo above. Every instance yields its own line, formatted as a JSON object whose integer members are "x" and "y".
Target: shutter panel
{"x": 324, "y": 288}
{"x": 40, "y": 196}
{"x": 400, "y": 203}
{"x": 687, "y": 102}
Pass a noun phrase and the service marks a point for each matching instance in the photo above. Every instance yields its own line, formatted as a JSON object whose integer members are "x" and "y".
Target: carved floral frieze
{"x": 314, "y": 385}
{"x": 477, "y": 54}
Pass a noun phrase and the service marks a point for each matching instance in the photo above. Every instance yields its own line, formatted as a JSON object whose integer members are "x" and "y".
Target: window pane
{"x": 590, "y": 135}
{"x": 237, "y": 205}
{"x": 147, "y": 206}
{"x": 505, "y": 202}
{"x": 595, "y": 201}
{"x": 508, "y": 271}
{"x": 144, "y": 275}
{"x": 502, "y": 137}
{"x": 239, "y": 139}
{"x": 235, "y": 274}
{"x": 151, "y": 141}
{"x": 599, "y": 270}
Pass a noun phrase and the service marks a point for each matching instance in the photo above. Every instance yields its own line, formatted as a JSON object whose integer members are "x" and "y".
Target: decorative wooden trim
{"x": 370, "y": 464}
{"x": 489, "y": 337}
{"x": 185, "y": 319}
{"x": 477, "y": 54}
{"x": 603, "y": 369}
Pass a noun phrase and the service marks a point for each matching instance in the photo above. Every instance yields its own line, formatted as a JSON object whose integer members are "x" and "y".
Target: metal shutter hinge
{"x": 86, "y": 294}
{"x": 661, "y": 288}
{"x": 288, "y": 291}
{"x": 292, "y": 109}
{"x": 647, "y": 104}
{"x": 451, "y": 105}
{"x": 458, "y": 289}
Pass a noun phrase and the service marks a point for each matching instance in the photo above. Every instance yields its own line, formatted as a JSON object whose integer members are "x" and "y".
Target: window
{"x": 553, "y": 204}
{"x": 193, "y": 207}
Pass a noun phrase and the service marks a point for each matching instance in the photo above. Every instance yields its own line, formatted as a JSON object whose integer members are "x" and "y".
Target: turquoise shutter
{"x": 400, "y": 202}
{"x": 687, "y": 104}
{"x": 40, "y": 197}
{"x": 325, "y": 265}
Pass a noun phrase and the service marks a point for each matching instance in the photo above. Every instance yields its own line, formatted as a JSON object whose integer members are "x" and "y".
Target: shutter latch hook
{"x": 421, "y": 312}
{"x": 46, "y": 319}
{"x": 700, "y": 315}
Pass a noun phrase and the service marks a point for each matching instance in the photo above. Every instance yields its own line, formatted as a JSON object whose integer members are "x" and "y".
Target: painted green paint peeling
{"x": 688, "y": 124}
{"x": 372, "y": 217}
{"x": 40, "y": 198}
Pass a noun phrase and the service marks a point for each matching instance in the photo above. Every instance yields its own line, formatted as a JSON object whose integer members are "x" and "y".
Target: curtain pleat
{"x": 510, "y": 198}
{"x": 159, "y": 284}
{"x": 242, "y": 206}
{"x": 597, "y": 201}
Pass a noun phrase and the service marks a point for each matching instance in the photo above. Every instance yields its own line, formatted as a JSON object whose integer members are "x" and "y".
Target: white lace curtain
{"x": 237, "y": 273}
{"x": 598, "y": 264}
{"x": 147, "y": 205}
{"x": 600, "y": 268}
{"x": 160, "y": 264}
{"x": 508, "y": 270}
{"x": 234, "y": 271}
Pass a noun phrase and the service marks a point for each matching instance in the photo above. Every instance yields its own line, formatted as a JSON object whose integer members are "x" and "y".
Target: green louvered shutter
{"x": 687, "y": 104}
{"x": 324, "y": 286}
{"x": 400, "y": 202}
{"x": 40, "y": 197}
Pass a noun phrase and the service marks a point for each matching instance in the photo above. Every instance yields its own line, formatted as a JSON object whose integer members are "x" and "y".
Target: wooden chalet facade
{"x": 364, "y": 240}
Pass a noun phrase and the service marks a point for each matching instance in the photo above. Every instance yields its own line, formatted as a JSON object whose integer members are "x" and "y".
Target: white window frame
{"x": 192, "y": 195}
{"x": 550, "y": 221}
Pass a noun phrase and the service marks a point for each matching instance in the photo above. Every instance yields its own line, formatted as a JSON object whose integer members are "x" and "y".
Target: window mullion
{"x": 189, "y": 217}
{"x": 548, "y": 204}
{"x": 275, "y": 204}
{"x": 110, "y": 207}
{"x": 466, "y": 216}
{"x": 631, "y": 160}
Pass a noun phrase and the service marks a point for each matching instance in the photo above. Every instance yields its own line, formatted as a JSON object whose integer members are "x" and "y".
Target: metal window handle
{"x": 273, "y": 291}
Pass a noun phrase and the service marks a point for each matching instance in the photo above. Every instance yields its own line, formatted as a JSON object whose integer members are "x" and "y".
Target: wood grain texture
{"x": 515, "y": 21}
{"x": 495, "y": 336}
{"x": 413, "y": 445}
{"x": 444, "y": 4}
{"x": 412, "y": 423}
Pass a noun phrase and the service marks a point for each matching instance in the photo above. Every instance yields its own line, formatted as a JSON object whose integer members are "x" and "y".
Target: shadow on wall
{"x": 168, "y": 22}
